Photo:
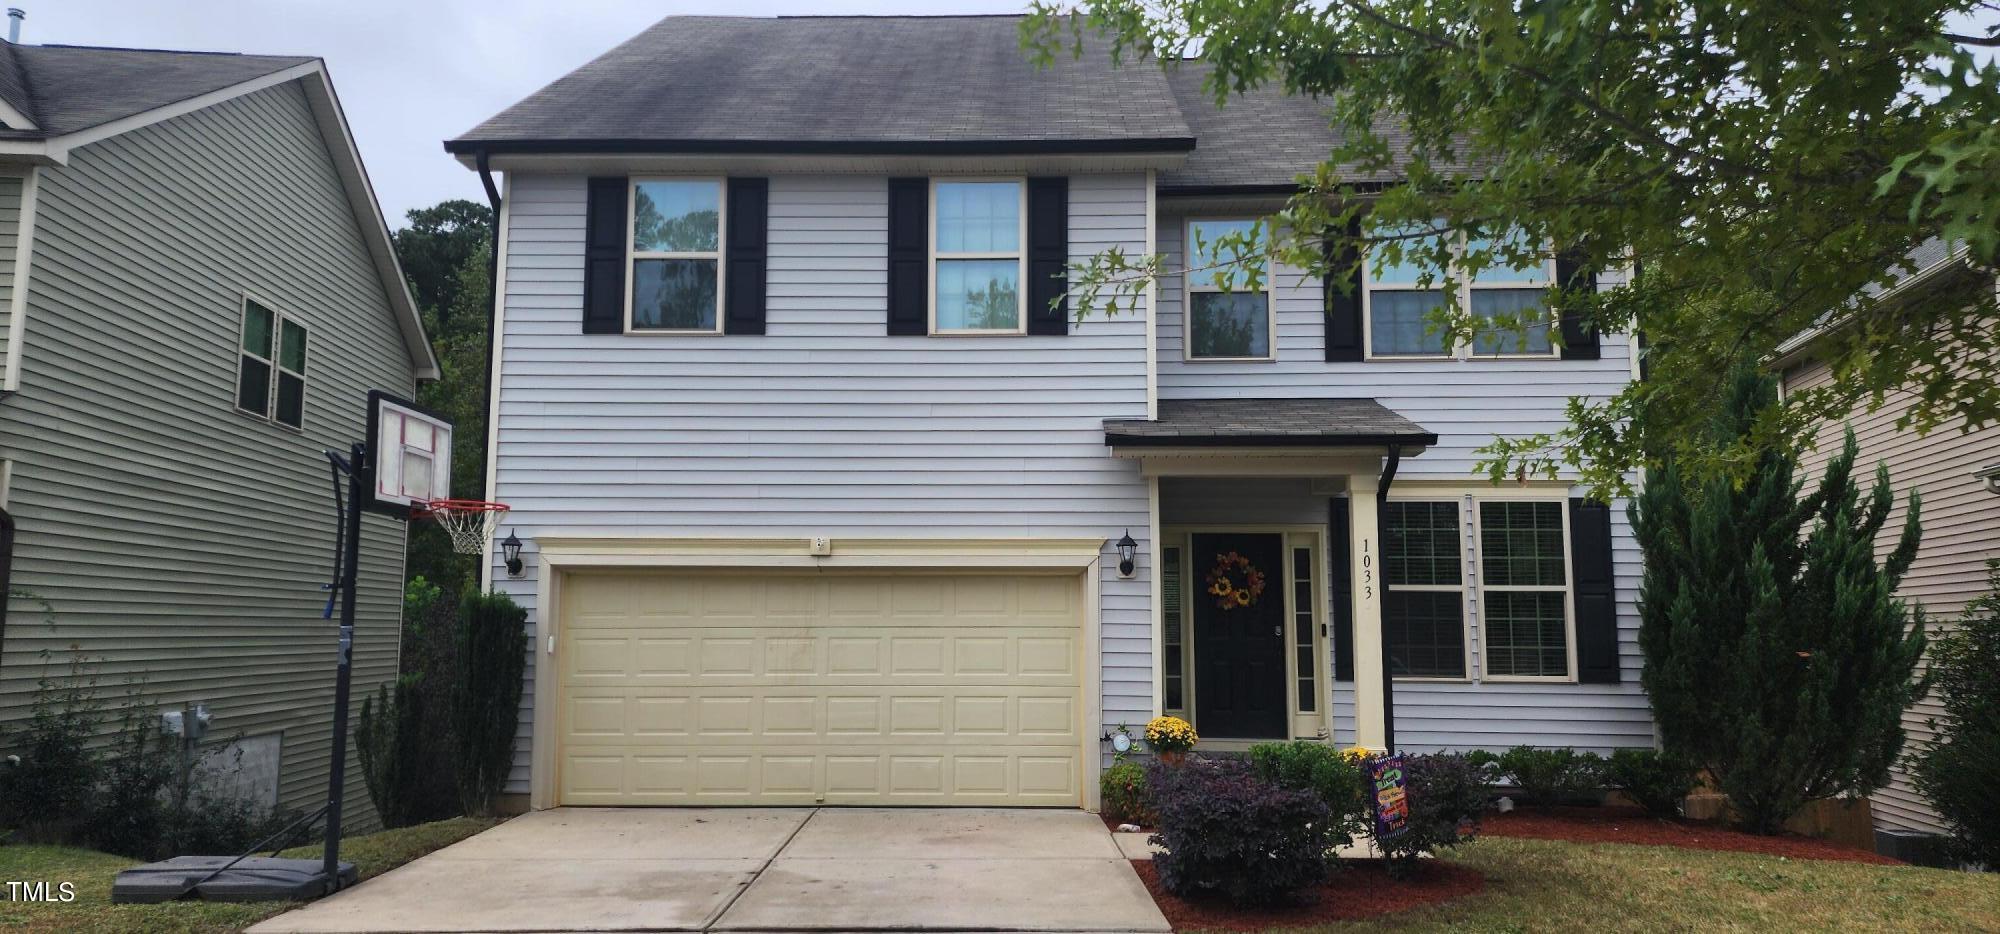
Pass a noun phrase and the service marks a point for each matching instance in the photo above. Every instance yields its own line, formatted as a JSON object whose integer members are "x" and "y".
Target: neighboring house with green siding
{"x": 197, "y": 290}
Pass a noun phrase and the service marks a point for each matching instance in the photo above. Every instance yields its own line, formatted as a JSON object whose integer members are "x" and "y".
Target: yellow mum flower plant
{"x": 1170, "y": 734}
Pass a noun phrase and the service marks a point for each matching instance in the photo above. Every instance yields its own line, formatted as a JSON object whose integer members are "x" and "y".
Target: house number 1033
{"x": 1367, "y": 570}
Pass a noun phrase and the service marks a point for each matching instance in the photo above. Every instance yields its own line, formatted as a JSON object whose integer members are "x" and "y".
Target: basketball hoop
{"x": 469, "y": 522}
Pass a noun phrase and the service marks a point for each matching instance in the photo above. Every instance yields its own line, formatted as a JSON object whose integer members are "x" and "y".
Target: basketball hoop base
{"x": 257, "y": 879}
{"x": 469, "y": 522}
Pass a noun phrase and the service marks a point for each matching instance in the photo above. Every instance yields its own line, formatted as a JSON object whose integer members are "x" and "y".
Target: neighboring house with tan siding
{"x": 197, "y": 290}
{"x": 1961, "y": 514}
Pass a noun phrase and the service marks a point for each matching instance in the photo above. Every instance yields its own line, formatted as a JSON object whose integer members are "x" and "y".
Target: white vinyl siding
{"x": 1466, "y": 402}
{"x": 826, "y": 425}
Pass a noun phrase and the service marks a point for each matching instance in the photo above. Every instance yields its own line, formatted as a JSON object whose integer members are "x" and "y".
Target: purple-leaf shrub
{"x": 1227, "y": 832}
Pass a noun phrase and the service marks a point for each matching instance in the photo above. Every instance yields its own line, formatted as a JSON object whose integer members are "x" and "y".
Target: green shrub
{"x": 1447, "y": 793}
{"x": 1653, "y": 780}
{"x": 1123, "y": 788}
{"x": 1304, "y": 765}
{"x": 48, "y": 796}
{"x": 1554, "y": 776}
{"x": 486, "y": 708}
{"x": 391, "y": 745}
{"x": 1960, "y": 771}
{"x": 143, "y": 794}
{"x": 1777, "y": 654}
{"x": 1224, "y": 831}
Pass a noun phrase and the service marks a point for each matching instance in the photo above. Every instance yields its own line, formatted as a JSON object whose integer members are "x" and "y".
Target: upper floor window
{"x": 1399, "y": 304}
{"x": 977, "y": 260}
{"x": 1226, "y": 320}
{"x": 676, "y": 256}
{"x": 271, "y": 366}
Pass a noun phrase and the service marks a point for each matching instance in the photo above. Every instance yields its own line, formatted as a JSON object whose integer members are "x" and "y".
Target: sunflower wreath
{"x": 1235, "y": 581}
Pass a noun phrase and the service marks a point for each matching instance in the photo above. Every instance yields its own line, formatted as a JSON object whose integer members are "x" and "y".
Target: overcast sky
{"x": 412, "y": 73}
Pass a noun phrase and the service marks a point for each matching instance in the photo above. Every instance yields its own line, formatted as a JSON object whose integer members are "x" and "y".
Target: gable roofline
{"x": 332, "y": 122}
{"x": 1802, "y": 346}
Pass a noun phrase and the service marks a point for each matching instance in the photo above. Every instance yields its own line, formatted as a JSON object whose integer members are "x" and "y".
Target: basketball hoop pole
{"x": 350, "y": 558}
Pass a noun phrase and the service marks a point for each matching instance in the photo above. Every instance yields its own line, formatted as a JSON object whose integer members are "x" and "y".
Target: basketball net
{"x": 470, "y": 522}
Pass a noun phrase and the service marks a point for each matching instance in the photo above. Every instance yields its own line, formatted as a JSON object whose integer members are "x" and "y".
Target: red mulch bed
{"x": 1361, "y": 889}
{"x": 1630, "y": 825}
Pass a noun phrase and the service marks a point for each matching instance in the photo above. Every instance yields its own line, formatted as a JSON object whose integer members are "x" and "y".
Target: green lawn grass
{"x": 92, "y": 873}
{"x": 1540, "y": 885}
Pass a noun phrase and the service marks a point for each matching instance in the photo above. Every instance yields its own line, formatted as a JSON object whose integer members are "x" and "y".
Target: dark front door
{"x": 1239, "y": 652}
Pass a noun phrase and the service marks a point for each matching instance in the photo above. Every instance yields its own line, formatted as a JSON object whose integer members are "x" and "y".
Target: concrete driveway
{"x": 745, "y": 869}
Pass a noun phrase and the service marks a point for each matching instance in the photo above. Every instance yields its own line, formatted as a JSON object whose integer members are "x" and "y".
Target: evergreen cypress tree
{"x": 1777, "y": 655}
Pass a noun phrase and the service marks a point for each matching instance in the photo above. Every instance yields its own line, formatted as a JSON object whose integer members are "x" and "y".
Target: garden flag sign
{"x": 1392, "y": 796}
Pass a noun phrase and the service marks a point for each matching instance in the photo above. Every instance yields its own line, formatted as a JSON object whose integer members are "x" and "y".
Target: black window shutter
{"x": 1048, "y": 255}
{"x": 1343, "y": 309}
{"x": 1340, "y": 589}
{"x": 749, "y": 243}
{"x": 909, "y": 255}
{"x": 604, "y": 256}
{"x": 1579, "y": 338}
{"x": 1596, "y": 595}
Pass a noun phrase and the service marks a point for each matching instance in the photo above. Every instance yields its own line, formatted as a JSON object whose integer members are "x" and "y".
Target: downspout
{"x": 1388, "y": 664}
{"x": 492, "y": 308}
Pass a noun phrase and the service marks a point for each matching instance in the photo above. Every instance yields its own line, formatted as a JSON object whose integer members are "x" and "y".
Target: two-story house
{"x": 822, "y": 500}
{"x": 197, "y": 290}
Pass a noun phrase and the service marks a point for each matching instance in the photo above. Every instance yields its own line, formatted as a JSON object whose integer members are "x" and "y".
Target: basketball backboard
{"x": 409, "y": 455}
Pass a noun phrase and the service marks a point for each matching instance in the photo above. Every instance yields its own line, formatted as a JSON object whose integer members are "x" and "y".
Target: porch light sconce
{"x": 1127, "y": 551}
{"x": 511, "y": 550}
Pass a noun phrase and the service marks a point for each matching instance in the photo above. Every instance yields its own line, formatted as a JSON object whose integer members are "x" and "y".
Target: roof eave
{"x": 1801, "y": 346}
{"x": 1163, "y": 144}
{"x": 1331, "y": 440}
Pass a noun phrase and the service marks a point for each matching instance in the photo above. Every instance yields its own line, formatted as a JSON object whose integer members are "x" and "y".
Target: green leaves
{"x": 1757, "y": 169}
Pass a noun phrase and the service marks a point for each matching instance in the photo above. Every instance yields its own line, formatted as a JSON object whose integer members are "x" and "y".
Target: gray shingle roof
{"x": 1259, "y": 138}
{"x": 1268, "y": 423}
{"x": 66, "y": 88}
{"x": 852, "y": 84}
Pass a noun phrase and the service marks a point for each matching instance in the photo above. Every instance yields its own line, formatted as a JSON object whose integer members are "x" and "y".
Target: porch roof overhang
{"x": 1314, "y": 435}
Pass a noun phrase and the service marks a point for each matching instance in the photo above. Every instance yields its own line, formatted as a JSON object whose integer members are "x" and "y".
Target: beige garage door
{"x": 717, "y": 688}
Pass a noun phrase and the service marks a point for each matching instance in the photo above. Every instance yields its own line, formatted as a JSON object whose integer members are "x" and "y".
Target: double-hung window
{"x": 1507, "y": 559}
{"x": 1509, "y": 301}
{"x": 676, "y": 256}
{"x": 1226, "y": 319}
{"x": 978, "y": 264}
{"x": 1524, "y": 589}
{"x": 271, "y": 366}
{"x": 1423, "y": 615}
